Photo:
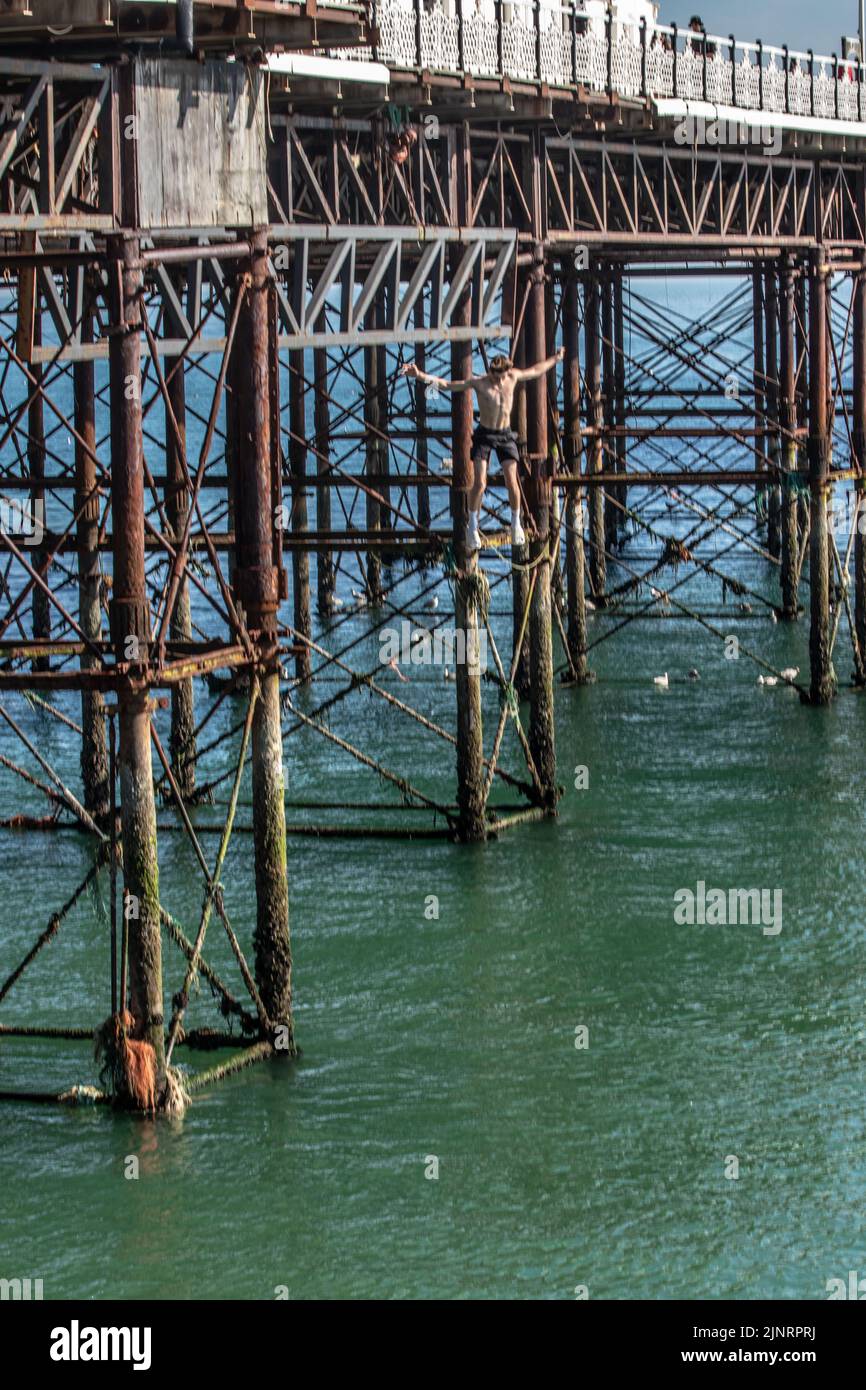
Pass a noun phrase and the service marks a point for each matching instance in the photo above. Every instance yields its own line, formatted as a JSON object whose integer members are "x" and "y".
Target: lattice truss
{"x": 695, "y": 408}
{"x": 633, "y": 189}
{"x": 348, "y": 422}
{"x": 345, "y": 420}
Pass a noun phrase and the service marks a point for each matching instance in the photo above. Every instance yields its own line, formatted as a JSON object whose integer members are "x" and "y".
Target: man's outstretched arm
{"x": 540, "y": 368}
{"x": 411, "y": 369}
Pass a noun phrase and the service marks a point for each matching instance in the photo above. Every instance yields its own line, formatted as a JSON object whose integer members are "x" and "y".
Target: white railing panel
{"x": 518, "y": 41}
{"x": 625, "y": 67}
{"x": 591, "y": 62}
{"x": 481, "y": 43}
{"x": 397, "y": 33}
{"x": 440, "y": 43}
{"x": 541, "y": 41}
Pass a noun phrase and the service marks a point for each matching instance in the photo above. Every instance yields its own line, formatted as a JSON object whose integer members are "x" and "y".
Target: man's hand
{"x": 410, "y": 369}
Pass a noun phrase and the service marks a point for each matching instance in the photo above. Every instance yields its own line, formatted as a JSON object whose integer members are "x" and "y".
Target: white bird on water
{"x": 432, "y": 604}
{"x": 768, "y": 680}
{"x": 361, "y": 598}
{"x": 790, "y": 673}
{"x": 662, "y": 681}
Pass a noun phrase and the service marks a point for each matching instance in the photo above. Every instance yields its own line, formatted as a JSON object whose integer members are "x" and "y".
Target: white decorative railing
{"x": 564, "y": 45}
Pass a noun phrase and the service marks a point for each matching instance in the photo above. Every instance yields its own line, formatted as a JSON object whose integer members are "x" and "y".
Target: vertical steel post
{"x": 372, "y": 427}
{"x": 597, "y": 561}
{"x": 325, "y": 572}
{"x": 759, "y": 387}
{"x": 611, "y": 513}
{"x": 41, "y": 604}
{"x": 94, "y": 767}
{"x": 771, "y": 299}
{"x": 542, "y": 741}
{"x": 802, "y": 341}
{"x": 468, "y": 592}
{"x": 520, "y": 554}
{"x": 573, "y": 446}
{"x": 551, "y": 396}
{"x": 298, "y": 468}
{"x": 619, "y": 386}
{"x": 788, "y": 401}
{"x": 130, "y": 634}
{"x": 422, "y": 454}
{"x": 182, "y": 738}
{"x": 257, "y": 588}
{"x": 822, "y": 676}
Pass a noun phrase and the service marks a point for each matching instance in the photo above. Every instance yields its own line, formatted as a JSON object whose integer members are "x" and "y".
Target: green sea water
{"x": 455, "y": 1038}
{"x": 447, "y": 1045}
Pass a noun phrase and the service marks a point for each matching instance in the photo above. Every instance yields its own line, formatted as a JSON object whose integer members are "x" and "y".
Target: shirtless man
{"x": 495, "y": 393}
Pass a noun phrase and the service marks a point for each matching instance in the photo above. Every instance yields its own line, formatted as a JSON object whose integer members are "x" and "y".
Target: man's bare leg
{"x": 476, "y": 497}
{"x": 509, "y": 472}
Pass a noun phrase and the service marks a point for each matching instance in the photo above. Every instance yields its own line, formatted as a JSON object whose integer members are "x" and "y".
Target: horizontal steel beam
{"x": 173, "y": 347}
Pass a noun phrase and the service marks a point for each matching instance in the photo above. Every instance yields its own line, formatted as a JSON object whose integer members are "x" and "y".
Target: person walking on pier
{"x": 495, "y": 393}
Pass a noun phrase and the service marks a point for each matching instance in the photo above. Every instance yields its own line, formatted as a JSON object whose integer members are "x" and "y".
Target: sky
{"x": 798, "y": 23}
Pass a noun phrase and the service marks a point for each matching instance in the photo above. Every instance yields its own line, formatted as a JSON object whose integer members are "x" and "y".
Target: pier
{"x": 224, "y": 229}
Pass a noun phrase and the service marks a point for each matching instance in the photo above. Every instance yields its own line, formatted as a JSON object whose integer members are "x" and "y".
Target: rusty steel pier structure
{"x": 222, "y": 228}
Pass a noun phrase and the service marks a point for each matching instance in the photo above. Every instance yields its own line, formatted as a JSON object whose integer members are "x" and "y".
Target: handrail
{"x": 562, "y": 44}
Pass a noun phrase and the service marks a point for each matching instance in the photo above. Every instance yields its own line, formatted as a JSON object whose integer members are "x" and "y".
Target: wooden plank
{"x": 200, "y": 144}
{"x": 26, "y": 301}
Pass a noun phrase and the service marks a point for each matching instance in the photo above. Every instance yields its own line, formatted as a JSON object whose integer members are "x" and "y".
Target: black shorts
{"x": 484, "y": 441}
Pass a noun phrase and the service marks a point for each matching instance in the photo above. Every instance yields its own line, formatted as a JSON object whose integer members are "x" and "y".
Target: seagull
{"x": 694, "y": 675}
{"x": 448, "y": 675}
{"x": 361, "y": 598}
{"x": 662, "y": 681}
{"x": 590, "y": 606}
{"x": 745, "y": 608}
{"x": 790, "y": 673}
{"x": 336, "y": 602}
{"x": 773, "y": 618}
{"x": 768, "y": 680}
{"x": 432, "y": 604}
